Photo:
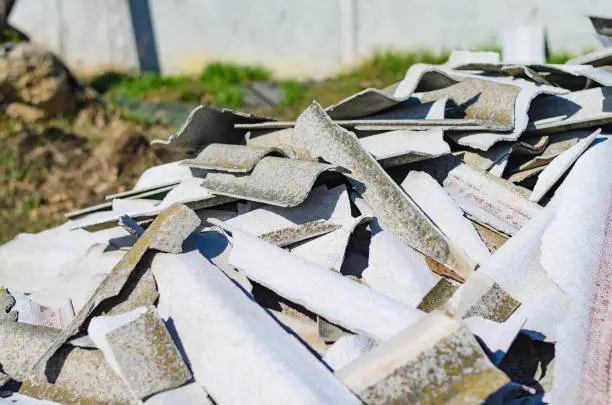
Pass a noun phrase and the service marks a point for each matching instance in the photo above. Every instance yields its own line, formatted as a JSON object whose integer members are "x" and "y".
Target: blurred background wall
{"x": 298, "y": 38}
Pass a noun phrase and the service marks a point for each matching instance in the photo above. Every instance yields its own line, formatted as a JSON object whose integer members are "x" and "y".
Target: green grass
{"x": 217, "y": 84}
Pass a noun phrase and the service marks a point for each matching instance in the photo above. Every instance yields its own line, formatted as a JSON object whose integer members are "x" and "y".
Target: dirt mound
{"x": 35, "y": 84}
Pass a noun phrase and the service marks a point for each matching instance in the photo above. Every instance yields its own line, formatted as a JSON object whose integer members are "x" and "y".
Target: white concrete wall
{"x": 293, "y": 37}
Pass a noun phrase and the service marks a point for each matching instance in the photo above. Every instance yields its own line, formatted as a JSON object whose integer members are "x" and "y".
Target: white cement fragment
{"x": 497, "y": 336}
{"x": 397, "y": 270}
{"x": 328, "y": 294}
{"x": 321, "y": 203}
{"x": 77, "y": 280}
{"x": 445, "y": 213}
{"x": 187, "y": 191}
{"x": 328, "y": 250}
{"x": 489, "y": 200}
{"x": 391, "y": 144}
{"x": 225, "y": 335}
{"x": 346, "y": 349}
{"x": 130, "y": 206}
{"x": 162, "y": 174}
{"x": 100, "y": 326}
{"x": 576, "y": 253}
{"x": 516, "y": 267}
{"x": 190, "y": 394}
{"x": 559, "y": 165}
{"x": 32, "y": 262}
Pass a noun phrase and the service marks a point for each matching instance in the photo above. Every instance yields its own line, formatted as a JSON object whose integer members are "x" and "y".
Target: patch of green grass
{"x": 559, "y": 58}
{"x": 293, "y": 91}
{"x": 227, "y": 73}
{"x": 222, "y": 82}
{"x": 218, "y": 84}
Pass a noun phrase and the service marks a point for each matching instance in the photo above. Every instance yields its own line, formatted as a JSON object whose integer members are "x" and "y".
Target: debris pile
{"x": 445, "y": 240}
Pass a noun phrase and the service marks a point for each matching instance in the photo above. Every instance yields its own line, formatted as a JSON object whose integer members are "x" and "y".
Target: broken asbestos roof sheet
{"x": 443, "y": 241}
{"x": 276, "y": 181}
{"x": 206, "y": 125}
{"x": 229, "y": 158}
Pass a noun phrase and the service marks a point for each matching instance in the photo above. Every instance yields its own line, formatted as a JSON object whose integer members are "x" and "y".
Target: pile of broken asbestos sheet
{"x": 447, "y": 240}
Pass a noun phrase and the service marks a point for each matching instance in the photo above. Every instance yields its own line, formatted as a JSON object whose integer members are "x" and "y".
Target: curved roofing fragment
{"x": 600, "y": 57}
{"x": 166, "y": 233}
{"x": 576, "y": 110}
{"x": 558, "y": 143}
{"x": 230, "y": 158}
{"x": 521, "y": 107}
{"x": 277, "y": 181}
{"x": 423, "y": 77}
{"x": 572, "y": 77}
{"x": 486, "y": 100}
{"x": 395, "y": 148}
{"x": 435, "y": 361}
{"x": 81, "y": 375}
{"x": 247, "y": 357}
{"x": 390, "y": 148}
{"x": 370, "y": 101}
{"x": 558, "y": 166}
{"x": 139, "y": 348}
{"x": 489, "y": 200}
{"x": 396, "y": 211}
{"x": 205, "y": 125}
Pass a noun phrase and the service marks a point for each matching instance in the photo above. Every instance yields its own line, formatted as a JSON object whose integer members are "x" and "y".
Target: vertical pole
{"x": 144, "y": 36}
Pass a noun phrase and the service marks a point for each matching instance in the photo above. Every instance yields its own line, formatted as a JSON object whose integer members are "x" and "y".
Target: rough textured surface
{"x": 397, "y": 270}
{"x": 438, "y": 295}
{"x": 576, "y": 249}
{"x": 141, "y": 351}
{"x": 173, "y": 225}
{"x": 229, "y": 158}
{"x": 448, "y": 367}
{"x": 80, "y": 376}
{"x": 276, "y": 181}
{"x": 298, "y": 233}
{"x": 496, "y": 305}
{"x": 36, "y": 84}
{"x": 395, "y": 209}
{"x": 482, "y": 99}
